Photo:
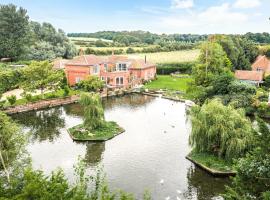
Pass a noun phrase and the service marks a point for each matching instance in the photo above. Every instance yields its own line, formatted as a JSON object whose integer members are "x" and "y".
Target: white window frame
{"x": 119, "y": 81}
{"x": 96, "y": 69}
{"x": 78, "y": 79}
{"x": 120, "y": 67}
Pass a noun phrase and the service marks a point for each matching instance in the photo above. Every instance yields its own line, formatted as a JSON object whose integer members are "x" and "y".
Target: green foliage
{"x": 253, "y": 171}
{"x": 221, "y": 83}
{"x": 213, "y": 62}
{"x": 12, "y": 146}
{"x": 91, "y": 84}
{"x": 66, "y": 91}
{"x": 240, "y": 51}
{"x": 220, "y": 130}
{"x": 93, "y": 110}
{"x": 130, "y": 50}
{"x": 14, "y": 31}
{"x": 168, "y": 68}
{"x": 10, "y": 79}
{"x": 49, "y": 43}
{"x": 40, "y": 75}
{"x": 263, "y": 38}
{"x": 134, "y": 37}
{"x": 12, "y": 99}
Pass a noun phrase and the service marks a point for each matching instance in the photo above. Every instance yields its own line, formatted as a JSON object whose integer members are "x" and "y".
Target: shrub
{"x": 166, "y": 69}
{"x": 66, "y": 91}
{"x": 29, "y": 97}
{"x": 12, "y": 99}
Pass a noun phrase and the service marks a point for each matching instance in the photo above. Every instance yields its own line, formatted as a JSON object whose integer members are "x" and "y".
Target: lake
{"x": 150, "y": 154}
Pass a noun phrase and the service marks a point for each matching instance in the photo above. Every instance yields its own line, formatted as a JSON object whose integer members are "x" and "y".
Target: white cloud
{"x": 215, "y": 18}
{"x": 222, "y": 14}
{"x": 247, "y": 3}
{"x": 181, "y": 4}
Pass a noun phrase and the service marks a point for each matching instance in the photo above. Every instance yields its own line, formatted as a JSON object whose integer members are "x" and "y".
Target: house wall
{"x": 113, "y": 75}
{"x": 73, "y": 72}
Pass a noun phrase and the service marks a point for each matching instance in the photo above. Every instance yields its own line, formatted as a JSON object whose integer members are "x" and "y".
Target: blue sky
{"x": 159, "y": 16}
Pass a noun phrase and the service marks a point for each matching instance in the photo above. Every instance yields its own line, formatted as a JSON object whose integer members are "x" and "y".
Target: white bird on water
{"x": 161, "y": 182}
{"x": 178, "y": 191}
{"x": 168, "y": 198}
{"x": 178, "y": 198}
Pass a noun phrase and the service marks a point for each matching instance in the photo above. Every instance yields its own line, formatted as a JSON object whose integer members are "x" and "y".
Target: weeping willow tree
{"x": 93, "y": 110}
{"x": 220, "y": 130}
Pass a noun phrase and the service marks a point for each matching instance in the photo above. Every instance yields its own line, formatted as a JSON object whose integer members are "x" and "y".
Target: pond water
{"x": 151, "y": 151}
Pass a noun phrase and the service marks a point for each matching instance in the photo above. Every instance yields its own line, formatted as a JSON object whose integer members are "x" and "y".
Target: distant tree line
{"x": 131, "y": 37}
{"x": 22, "y": 39}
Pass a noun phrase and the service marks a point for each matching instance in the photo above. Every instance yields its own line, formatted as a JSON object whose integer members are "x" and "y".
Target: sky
{"x": 157, "y": 16}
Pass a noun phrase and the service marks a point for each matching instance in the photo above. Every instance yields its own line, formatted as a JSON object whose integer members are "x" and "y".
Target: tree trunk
{"x": 4, "y": 166}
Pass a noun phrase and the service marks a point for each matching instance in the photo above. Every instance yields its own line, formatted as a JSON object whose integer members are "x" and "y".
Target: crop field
{"x": 170, "y": 57}
{"x": 87, "y": 39}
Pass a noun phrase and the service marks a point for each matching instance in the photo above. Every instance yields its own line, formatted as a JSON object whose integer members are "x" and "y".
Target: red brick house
{"x": 116, "y": 71}
{"x": 260, "y": 69}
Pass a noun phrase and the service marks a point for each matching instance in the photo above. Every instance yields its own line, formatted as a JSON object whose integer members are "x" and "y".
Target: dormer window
{"x": 121, "y": 67}
{"x": 259, "y": 69}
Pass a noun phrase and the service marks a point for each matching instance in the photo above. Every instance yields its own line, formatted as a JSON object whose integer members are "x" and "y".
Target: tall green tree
{"x": 41, "y": 76}
{"x": 220, "y": 130}
{"x": 213, "y": 61}
{"x": 14, "y": 31}
{"x": 93, "y": 110}
{"x": 12, "y": 143}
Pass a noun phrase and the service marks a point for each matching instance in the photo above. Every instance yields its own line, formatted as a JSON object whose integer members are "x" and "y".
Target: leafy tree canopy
{"x": 221, "y": 130}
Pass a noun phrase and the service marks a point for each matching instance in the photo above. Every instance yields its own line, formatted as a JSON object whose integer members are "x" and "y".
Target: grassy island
{"x": 94, "y": 127}
{"x": 211, "y": 163}
{"x": 103, "y": 133}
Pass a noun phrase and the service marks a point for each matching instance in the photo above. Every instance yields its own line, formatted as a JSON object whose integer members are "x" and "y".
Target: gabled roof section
{"x": 249, "y": 75}
{"x": 262, "y": 62}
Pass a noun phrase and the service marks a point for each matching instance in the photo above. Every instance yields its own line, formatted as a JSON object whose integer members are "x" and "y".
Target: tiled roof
{"x": 249, "y": 75}
{"x": 86, "y": 60}
{"x": 262, "y": 62}
{"x": 89, "y": 60}
{"x": 59, "y": 63}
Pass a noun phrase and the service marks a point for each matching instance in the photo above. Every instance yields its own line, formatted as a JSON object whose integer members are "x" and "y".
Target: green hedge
{"x": 168, "y": 68}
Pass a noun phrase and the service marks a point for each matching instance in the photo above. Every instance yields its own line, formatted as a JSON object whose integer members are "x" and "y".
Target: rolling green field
{"x": 170, "y": 57}
{"x": 169, "y": 83}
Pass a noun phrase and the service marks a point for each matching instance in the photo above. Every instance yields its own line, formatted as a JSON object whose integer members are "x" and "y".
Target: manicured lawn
{"x": 169, "y": 83}
{"x": 212, "y": 161}
{"x": 106, "y": 132}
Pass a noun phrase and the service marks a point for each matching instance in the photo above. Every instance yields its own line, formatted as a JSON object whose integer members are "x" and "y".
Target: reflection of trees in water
{"x": 94, "y": 153}
{"x": 74, "y": 110}
{"x": 44, "y": 124}
{"x": 134, "y": 100}
{"x": 204, "y": 186}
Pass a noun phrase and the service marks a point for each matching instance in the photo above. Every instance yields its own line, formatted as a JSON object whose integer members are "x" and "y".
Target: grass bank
{"x": 212, "y": 162}
{"x": 103, "y": 133}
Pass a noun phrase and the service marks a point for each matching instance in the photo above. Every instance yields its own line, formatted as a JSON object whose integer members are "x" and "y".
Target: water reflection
{"x": 44, "y": 124}
{"x": 204, "y": 186}
{"x": 134, "y": 101}
{"x": 94, "y": 153}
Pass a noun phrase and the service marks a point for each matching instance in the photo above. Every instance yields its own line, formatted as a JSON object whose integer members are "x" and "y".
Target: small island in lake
{"x": 94, "y": 127}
